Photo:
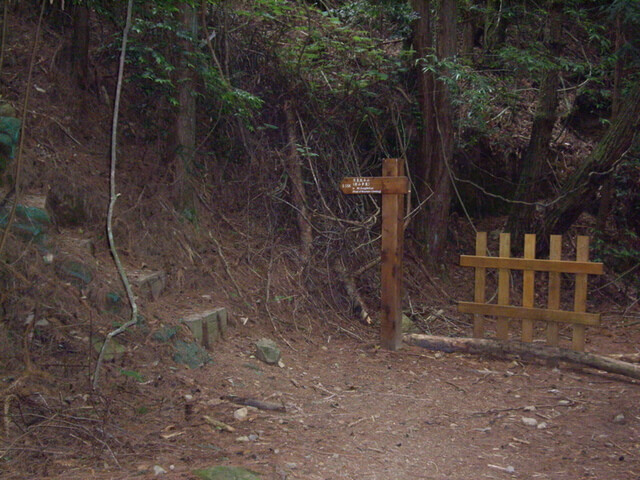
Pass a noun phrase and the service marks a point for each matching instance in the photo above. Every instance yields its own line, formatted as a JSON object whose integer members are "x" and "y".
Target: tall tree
{"x": 537, "y": 151}
{"x": 432, "y": 169}
{"x": 185, "y": 127}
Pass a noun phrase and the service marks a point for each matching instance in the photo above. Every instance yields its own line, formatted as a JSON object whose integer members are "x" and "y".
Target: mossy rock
{"x": 114, "y": 350}
{"x": 225, "y": 473}
{"x": 190, "y": 354}
{"x": 75, "y": 272}
{"x": 9, "y": 136}
{"x": 30, "y": 223}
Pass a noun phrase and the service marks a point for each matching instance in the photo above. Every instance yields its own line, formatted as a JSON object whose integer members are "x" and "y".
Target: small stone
{"x": 267, "y": 351}
{"x": 619, "y": 419}
{"x": 253, "y": 437}
{"x": 564, "y": 402}
{"x": 529, "y": 408}
{"x": 542, "y": 425}
{"x": 242, "y": 439}
{"x": 158, "y": 470}
{"x": 280, "y": 363}
{"x": 529, "y": 422}
{"x": 47, "y": 258}
{"x": 241, "y": 414}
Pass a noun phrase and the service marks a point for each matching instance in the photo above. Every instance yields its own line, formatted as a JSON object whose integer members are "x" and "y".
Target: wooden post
{"x": 528, "y": 286}
{"x": 393, "y": 185}
{"x": 479, "y": 295}
{"x": 553, "y": 301}
{"x": 504, "y": 286}
{"x": 392, "y": 249}
{"x": 580, "y": 299}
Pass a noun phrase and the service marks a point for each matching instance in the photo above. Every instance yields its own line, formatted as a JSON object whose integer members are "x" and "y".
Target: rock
{"x": 158, "y": 470}
{"x": 619, "y": 419}
{"x": 165, "y": 334}
{"x": 529, "y": 422}
{"x": 190, "y": 354}
{"x": 268, "y": 351}
{"x": 30, "y": 223}
{"x": 113, "y": 351}
{"x": 241, "y": 414}
{"x": 542, "y": 425}
{"x": 408, "y": 325}
{"x": 9, "y": 136}
{"x": 75, "y": 272}
{"x": 225, "y": 473}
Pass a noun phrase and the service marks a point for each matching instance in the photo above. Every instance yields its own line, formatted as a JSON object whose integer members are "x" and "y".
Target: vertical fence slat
{"x": 480, "y": 284}
{"x": 504, "y": 286}
{"x": 553, "y": 301}
{"x": 528, "y": 284}
{"x": 580, "y": 299}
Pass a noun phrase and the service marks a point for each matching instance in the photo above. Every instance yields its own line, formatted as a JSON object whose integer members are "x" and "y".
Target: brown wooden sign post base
{"x": 393, "y": 186}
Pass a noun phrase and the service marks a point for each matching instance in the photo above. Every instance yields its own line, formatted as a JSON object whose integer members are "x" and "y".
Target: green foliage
{"x": 138, "y": 377}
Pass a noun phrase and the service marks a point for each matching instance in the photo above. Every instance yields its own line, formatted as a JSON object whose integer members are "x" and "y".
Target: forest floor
{"x": 352, "y": 410}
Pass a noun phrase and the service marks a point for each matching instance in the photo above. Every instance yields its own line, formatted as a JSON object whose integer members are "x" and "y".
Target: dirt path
{"x": 354, "y": 412}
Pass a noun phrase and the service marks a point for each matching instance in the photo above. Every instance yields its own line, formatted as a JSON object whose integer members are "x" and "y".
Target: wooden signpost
{"x": 393, "y": 186}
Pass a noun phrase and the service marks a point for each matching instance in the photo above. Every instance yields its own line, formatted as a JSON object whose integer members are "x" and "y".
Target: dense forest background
{"x": 237, "y": 121}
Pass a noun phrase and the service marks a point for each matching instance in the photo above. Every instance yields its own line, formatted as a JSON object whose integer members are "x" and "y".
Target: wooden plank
{"x": 528, "y": 282}
{"x": 540, "y": 265}
{"x": 384, "y": 184}
{"x": 504, "y": 276}
{"x": 580, "y": 299}
{"x": 553, "y": 300}
{"x": 542, "y": 314}
{"x": 480, "y": 284}
{"x": 392, "y": 236}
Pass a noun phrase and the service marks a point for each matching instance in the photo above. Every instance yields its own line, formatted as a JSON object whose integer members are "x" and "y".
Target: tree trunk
{"x": 535, "y": 156}
{"x": 483, "y": 346}
{"x": 423, "y": 46}
{"x": 436, "y": 145}
{"x": 298, "y": 195}
{"x": 80, "y": 45}
{"x": 606, "y": 197}
{"x": 186, "y": 119}
{"x": 581, "y": 188}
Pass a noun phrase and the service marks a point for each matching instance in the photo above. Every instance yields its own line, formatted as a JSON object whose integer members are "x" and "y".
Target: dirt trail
{"x": 355, "y": 412}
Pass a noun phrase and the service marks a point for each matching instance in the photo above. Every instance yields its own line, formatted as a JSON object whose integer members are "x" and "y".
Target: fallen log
{"x": 252, "y": 402}
{"x": 544, "y": 352}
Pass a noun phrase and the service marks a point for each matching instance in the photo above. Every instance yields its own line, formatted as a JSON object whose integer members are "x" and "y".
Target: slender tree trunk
{"x": 423, "y": 46}
{"x": 80, "y": 45}
{"x": 580, "y": 190}
{"x": 606, "y": 197}
{"x": 298, "y": 194}
{"x": 521, "y": 219}
{"x": 186, "y": 119}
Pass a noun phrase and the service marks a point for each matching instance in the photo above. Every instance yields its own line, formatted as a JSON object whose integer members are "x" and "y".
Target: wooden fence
{"x": 528, "y": 313}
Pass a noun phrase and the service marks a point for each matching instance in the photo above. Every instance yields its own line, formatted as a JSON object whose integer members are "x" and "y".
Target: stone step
{"x": 150, "y": 284}
{"x": 208, "y": 326}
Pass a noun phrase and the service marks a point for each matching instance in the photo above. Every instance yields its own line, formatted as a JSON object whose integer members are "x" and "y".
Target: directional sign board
{"x": 385, "y": 185}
